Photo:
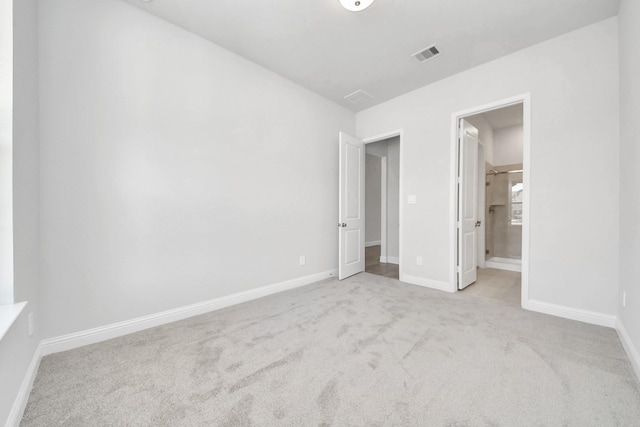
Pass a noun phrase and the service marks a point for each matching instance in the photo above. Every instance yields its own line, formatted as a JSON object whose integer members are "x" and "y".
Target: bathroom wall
{"x": 507, "y": 145}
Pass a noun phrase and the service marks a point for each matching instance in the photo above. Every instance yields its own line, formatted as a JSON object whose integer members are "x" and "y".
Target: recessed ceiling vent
{"x": 426, "y": 54}
{"x": 358, "y": 97}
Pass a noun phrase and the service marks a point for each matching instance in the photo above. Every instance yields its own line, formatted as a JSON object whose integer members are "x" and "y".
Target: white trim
{"x": 578, "y": 314}
{"x": 8, "y": 314}
{"x": 103, "y": 333}
{"x": 526, "y": 201}
{"x": 629, "y": 347}
{"x": 380, "y": 137}
{"x": 369, "y": 244}
{"x": 383, "y": 205}
{"x": 482, "y": 208}
{"x": 427, "y": 283}
{"x": 503, "y": 264}
{"x": 525, "y": 100}
{"x": 390, "y": 259}
{"x": 383, "y": 136}
{"x": 453, "y": 206}
{"x": 20, "y": 403}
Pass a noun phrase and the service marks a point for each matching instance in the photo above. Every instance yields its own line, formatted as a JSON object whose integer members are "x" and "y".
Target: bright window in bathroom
{"x": 515, "y": 208}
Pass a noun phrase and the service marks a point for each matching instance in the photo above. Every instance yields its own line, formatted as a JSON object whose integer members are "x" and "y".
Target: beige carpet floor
{"x": 365, "y": 351}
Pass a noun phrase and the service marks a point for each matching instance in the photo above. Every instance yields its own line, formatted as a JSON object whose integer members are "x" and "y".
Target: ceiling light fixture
{"x": 356, "y": 5}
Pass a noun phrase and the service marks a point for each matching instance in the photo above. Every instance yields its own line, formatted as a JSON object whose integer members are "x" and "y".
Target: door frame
{"x": 383, "y": 220}
{"x": 525, "y": 100}
{"x": 482, "y": 201}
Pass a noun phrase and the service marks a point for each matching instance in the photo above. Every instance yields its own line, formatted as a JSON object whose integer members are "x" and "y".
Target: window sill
{"x": 8, "y": 314}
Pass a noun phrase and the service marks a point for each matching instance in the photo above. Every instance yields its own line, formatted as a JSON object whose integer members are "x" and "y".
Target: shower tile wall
{"x": 503, "y": 239}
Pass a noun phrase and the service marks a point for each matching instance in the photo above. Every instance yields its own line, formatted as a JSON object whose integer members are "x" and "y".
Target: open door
{"x": 351, "y": 207}
{"x": 467, "y": 205}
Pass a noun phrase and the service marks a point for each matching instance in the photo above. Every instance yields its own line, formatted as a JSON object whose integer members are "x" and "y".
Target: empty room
{"x": 329, "y": 212}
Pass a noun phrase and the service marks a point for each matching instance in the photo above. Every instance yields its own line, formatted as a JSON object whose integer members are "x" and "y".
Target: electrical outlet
{"x": 30, "y": 321}
{"x": 303, "y": 260}
{"x": 624, "y": 299}
{"x": 419, "y": 260}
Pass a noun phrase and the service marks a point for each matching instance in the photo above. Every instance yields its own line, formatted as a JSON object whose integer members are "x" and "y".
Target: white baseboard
{"x": 578, "y": 314}
{"x": 629, "y": 347}
{"x": 20, "y": 404}
{"x": 503, "y": 265}
{"x": 390, "y": 259}
{"x": 103, "y": 333}
{"x": 374, "y": 243}
{"x": 427, "y": 283}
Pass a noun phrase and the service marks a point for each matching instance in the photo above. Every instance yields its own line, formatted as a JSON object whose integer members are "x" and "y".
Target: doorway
{"x": 382, "y": 207}
{"x": 491, "y": 184}
{"x": 352, "y": 208}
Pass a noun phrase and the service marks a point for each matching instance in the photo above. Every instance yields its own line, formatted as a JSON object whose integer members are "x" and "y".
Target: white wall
{"x": 630, "y": 171}
{"x": 26, "y": 219}
{"x": 574, "y": 132}
{"x": 507, "y": 145}
{"x": 17, "y": 348}
{"x": 485, "y": 135}
{"x": 390, "y": 148}
{"x": 172, "y": 171}
{"x": 372, "y": 199}
{"x": 393, "y": 199}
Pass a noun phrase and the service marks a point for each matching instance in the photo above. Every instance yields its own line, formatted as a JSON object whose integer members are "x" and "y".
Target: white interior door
{"x": 351, "y": 207}
{"x": 468, "y": 205}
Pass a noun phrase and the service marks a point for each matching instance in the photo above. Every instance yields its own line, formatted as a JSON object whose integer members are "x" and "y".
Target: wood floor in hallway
{"x": 373, "y": 265}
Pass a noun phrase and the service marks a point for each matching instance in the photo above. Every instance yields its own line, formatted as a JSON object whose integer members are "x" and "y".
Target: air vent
{"x": 426, "y": 54}
{"x": 358, "y": 97}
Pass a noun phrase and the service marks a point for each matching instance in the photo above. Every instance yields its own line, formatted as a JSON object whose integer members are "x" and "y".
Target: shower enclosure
{"x": 504, "y": 197}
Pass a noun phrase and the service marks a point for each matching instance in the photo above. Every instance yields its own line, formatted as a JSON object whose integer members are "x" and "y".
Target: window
{"x": 6, "y": 147}
{"x": 516, "y": 189}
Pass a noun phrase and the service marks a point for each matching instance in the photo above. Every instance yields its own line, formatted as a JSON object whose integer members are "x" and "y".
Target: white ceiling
{"x": 323, "y": 47}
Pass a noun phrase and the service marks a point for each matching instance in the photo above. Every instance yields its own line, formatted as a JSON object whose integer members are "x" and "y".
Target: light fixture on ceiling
{"x": 356, "y": 5}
